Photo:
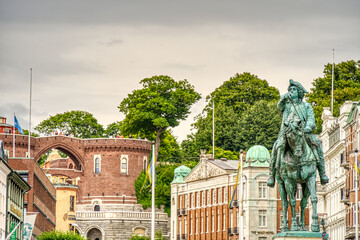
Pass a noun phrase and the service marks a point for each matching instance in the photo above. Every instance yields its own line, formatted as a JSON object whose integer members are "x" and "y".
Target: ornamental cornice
{"x": 338, "y": 147}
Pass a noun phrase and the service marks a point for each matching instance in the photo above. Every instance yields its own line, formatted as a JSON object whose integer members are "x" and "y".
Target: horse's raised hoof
{"x": 315, "y": 227}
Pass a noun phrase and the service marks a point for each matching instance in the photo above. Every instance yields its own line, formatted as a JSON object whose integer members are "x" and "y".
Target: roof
{"x": 226, "y": 164}
{"x": 257, "y": 156}
{"x": 54, "y": 155}
{"x": 180, "y": 173}
{"x": 352, "y": 112}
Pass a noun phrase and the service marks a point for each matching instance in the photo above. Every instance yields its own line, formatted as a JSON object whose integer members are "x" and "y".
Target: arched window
{"x": 97, "y": 208}
{"x": 124, "y": 165}
{"x": 97, "y": 165}
{"x": 145, "y": 165}
{"x": 71, "y": 166}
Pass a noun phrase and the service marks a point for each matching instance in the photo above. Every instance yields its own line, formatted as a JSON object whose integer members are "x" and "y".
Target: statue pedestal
{"x": 297, "y": 235}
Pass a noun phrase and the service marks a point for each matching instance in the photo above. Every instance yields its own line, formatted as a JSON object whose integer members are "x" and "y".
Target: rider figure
{"x": 291, "y": 103}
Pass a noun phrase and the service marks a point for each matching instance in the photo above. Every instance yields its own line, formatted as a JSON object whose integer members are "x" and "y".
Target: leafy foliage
{"x": 242, "y": 91}
{"x": 158, "y": 236}
{"x": 164, "y": 176}
{"x": 242, "y": 117}
{"x": 58, "y": 235}
{"x": 346, "y": 87}
{"x": 113, "y": 129}
{"x": 161, "y": 103}
{"x": 80, "y": 123}
{"x": 259, "y": 125}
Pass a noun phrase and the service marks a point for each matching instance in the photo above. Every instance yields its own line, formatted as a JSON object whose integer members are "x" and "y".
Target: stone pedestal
{"x": 298, "y": 235}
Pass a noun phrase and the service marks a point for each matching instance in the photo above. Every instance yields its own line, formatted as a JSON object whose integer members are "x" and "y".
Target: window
{"x": 207, "y": 222}
{"x": 202, "y": 223}
{"x": 231, "y": 219}
{"x": 180, "y": 226}
{"x": 180, "y": 201}
{"x": 262, "y": 189}
{"x": 224, "y": 220}
{"x": 72, "y": 204}
{"x": 97, "y": 208}
{"x": 196, "y": 224}
{"x": 262, "y": 238}
{"x": 124, "y": 164}
{"x": 262, "y": 218}
{"x": 97, "y": 164}
{"x": 218, "y": 222}
{"x": 191, "y": 225}
{"x": 185, "y": 223}
{"x": 212, "y": 222}
{"x": 145, "y": 164}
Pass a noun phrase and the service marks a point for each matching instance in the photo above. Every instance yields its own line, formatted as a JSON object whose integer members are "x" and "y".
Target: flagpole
{"x": 213, "y": 123}
{"x": 332, "y": 86}
{"x": 30, "y": 112}
{"x": 241, "y": 215}
{"x": 356, "y": 197}
{"x": 153, "y": 194}
{"x": 14, "y": 137}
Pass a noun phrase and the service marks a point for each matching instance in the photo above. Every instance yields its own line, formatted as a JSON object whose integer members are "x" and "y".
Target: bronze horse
{"x": 298, "y": 166}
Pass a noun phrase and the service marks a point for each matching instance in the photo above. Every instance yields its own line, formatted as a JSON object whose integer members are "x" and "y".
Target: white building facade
{"x": 332, "y": 196}
{"x": 5, "y": 170}
{"x": 199, "y": 199}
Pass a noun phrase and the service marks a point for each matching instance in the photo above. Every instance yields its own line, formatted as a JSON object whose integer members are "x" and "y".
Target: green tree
{"x": 346, "y": 87}
{"x": 80, "y": 123}
{"x": 58, "y": 235}
{"x": 160, "y": 104}
{"x": 232, "y": 99}
{"x": 158, "y": 236}
{"x": 259, "y": 125}
{"x": 241, "y": 91}
{"x": 113, "y": 129}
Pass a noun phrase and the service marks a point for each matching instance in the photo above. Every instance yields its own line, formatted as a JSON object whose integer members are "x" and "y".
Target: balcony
{"x": 345, "y": 199}
{"x": 350, "y": 232}
{"x": 320, "y": 190}
{"x": 183, "y": 236}
{"x": 178, "y": 237}
{"x": 230, "y": 231}
{"x": 236, "y": 230}
{"x": 236, "y": 203}
{"x": 183, "y": 212}
{"x": 91, "y": 216}
{"x": 179, "y": 212}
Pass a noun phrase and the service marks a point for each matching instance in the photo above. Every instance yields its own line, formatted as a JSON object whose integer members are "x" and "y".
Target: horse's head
{"x": 294, "y": 134}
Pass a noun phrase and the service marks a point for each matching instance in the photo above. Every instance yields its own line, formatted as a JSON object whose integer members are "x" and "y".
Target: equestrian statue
{"x": 295, "y": 157}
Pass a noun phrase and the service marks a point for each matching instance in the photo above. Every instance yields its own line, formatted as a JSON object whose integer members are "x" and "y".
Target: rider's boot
{"x": 271, "y": 181}
{"x": 321, "y": 168}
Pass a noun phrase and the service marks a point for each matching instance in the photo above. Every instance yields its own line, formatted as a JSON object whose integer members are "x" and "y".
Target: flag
{"x": 148, "y": 174}
{"x": 17, "y": 125}
{"x": 358, "y": 166}
{"x": 235, "y": 186}
{"x": 29, "y": 221}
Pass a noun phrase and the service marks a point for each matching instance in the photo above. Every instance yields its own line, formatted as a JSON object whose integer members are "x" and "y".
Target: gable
{"x": 204, "y": 170}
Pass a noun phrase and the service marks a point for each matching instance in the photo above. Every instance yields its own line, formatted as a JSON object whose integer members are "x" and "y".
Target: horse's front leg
{"x": 306, "y": 194}
{"x": 291, "y": 188}
{"x": 312, "y": 188}
{"x": 284, "y": 205}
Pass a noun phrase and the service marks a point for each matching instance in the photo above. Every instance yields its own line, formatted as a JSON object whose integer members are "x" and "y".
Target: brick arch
{"x": 68, "y": 149}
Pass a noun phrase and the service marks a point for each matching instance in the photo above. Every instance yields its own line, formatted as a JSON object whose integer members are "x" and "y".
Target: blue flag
{"x": 17, "y": 125}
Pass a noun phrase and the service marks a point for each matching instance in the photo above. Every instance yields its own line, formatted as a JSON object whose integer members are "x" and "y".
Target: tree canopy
{"x": 245, "y": 107}
{"x": 160, "y": 104}
{"x": 58, "y": 235}
{"x": 346, "y": 87}
{"x": 80, "y": 123}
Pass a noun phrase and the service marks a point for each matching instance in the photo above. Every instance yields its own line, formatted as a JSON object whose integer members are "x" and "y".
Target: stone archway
{"x": 68, "y": 149}
{"x": 94, "y": 234}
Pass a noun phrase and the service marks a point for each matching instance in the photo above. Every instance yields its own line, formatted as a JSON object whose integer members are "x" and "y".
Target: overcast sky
{"x": 88, "y": 55}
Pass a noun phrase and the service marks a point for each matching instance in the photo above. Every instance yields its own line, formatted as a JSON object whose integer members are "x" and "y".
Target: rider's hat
{"x": 298, "y": 85}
